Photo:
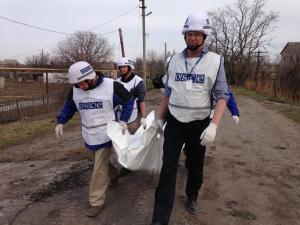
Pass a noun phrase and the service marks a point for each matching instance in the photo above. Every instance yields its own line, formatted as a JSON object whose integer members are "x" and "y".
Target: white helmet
{"x": 125, "y": 61}
{"x": 80, "y": 71}
{"x": 197, "y": 23}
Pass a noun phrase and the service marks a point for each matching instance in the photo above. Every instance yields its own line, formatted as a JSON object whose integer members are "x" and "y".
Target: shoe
{"x": 192, "y": 207}
{"x": 124, "y": 172}
{"x": 157, "y": 223}
{"x": 114, "y": 182}
{"x": 93, "y": 211}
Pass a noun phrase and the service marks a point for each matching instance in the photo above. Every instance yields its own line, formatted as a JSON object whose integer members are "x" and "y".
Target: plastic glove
{"x": 124, "y": 126}
{"x": 236, "y": 119}
{"x": 160, "y": 123}
{"x": 144, "y": 122}
{"x": 212, "y": 113}
{"x": 59, "y": 130}
{"x": 209, "y": 134}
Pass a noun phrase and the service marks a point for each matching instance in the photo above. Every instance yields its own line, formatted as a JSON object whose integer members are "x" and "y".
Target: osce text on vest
{"x": 196, "y": 78}
{"x": 90, "y": 105}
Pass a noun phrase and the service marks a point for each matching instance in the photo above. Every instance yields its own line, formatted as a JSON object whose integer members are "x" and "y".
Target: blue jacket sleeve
{"x": 220, "y": 89}
{"x": 140, "y": 92}
{"x": 68, "y": 110}
{"x": 123, "y": 97}
{"x": 232, "y": 106}
{"x": 127, "y": 107}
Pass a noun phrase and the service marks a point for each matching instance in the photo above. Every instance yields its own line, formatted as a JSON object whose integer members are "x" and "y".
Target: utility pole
{"x": 143, "y": 7}
{"x": 121, "y": 42}
{"x": 165, "y": 51}
{"x": 257, "y": 63}
{"x": 47, "y": 81}
{"x": 165, "y": 59}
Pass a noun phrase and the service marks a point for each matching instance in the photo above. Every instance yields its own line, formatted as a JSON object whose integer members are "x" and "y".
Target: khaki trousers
{"x": 100, "y": 177}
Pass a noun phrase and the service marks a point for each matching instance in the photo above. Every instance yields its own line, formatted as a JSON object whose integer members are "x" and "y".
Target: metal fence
{"x": 19, "y": 108}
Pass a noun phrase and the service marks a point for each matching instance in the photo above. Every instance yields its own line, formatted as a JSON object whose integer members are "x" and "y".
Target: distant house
{"x": 9, "y": 63}
{"x": 290, "y": 57}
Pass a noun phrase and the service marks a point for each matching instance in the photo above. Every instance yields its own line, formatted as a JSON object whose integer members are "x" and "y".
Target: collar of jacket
{"x": 100, "y": 80}
{"x": 129, "y": 78}
{"x": 203, "y": 52}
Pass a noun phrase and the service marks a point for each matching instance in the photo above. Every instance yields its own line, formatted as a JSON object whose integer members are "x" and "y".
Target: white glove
{"x": 236, "y": 119}
{"x": 160, "y": 123}
{"x": 59, "y": 130}
{"x": 209, "y": 134}
{"x": 144, "y": 122}
{"x": 124, "y": 126}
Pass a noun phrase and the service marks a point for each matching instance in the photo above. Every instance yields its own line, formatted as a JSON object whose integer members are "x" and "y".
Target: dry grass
{"x": 25, "y": 131}
{"x": 14, "y": 89}
{"x": 289, "y": 109}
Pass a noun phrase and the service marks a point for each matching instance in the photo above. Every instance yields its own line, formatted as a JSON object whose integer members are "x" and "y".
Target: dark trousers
{"x": 176, "y": 134}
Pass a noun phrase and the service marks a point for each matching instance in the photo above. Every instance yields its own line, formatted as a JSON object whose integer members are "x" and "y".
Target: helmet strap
{"x": 195, "y": 47}
{"x": 128, "y": 72}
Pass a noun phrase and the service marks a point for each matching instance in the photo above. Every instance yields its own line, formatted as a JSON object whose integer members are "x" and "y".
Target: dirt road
{"x": 252, "y": 177}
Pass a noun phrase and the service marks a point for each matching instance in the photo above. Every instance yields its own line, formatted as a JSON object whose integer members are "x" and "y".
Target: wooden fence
{"x": 274, "y": 88}
{"x": 19, "y": 108}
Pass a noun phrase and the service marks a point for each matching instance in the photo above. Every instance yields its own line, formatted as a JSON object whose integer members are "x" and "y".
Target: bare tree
{"x": 83, "y": 45}
{"x": 155, "y": 64}
{"x": 240, "y": 30}
{"x": 40, "y": 60}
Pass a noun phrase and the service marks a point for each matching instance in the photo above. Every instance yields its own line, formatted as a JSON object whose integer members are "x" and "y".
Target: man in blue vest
{"x": 95, "y": 97}
{"x": 192, "y": 77}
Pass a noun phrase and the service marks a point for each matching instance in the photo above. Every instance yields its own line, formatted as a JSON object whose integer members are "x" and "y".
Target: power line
{"x": 110, "y": 32}
{"x": 108, "y": 21}
{"x": 114, "y": 18}
{"x": 28, "y": 25}
{"x": 48, "y": 46}
{"x": 40, "y": 49}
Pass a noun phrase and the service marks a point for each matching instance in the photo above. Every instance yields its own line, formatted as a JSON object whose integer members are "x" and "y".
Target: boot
{"x": 93, "y": 211}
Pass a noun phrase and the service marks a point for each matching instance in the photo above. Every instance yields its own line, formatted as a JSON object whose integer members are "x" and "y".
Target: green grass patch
{"x": 256, "y": 95}
{"x": 292, "y": 112}
{"x": 25, "y": 131}
{"x": 290, "y": 109}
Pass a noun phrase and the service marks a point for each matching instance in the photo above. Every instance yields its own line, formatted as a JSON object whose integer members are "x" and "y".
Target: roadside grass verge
{"x": 288, "y": 108}
{"x": 25, "y": 131}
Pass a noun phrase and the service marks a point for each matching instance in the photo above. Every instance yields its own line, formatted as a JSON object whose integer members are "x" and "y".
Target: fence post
{"x": 18, "y": 109}
{"x": 274, "y": 88}
{"x": 47, "y": 91}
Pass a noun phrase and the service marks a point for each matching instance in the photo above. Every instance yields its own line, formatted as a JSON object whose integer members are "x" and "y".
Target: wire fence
{"x": 23, "y": 107}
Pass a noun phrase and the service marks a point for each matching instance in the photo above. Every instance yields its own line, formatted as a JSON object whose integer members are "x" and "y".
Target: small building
{"x": 290, "y": 57}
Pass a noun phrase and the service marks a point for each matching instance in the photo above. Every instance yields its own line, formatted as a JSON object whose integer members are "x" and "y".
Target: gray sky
{"x": 163, "y": 25}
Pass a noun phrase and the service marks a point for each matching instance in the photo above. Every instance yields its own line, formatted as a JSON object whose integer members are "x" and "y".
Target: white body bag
{"x": 141, "y": 151}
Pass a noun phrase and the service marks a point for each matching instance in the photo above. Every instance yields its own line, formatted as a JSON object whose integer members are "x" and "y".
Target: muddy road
{"x": 252, "y": 177}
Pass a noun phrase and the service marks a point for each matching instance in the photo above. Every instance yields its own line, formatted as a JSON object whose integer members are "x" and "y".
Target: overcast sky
{"x": 163, "y": 25}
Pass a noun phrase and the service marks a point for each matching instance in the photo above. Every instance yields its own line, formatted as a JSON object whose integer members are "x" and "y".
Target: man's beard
{"x": 123, "y": 75}
{"x": 193, "y": 47}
